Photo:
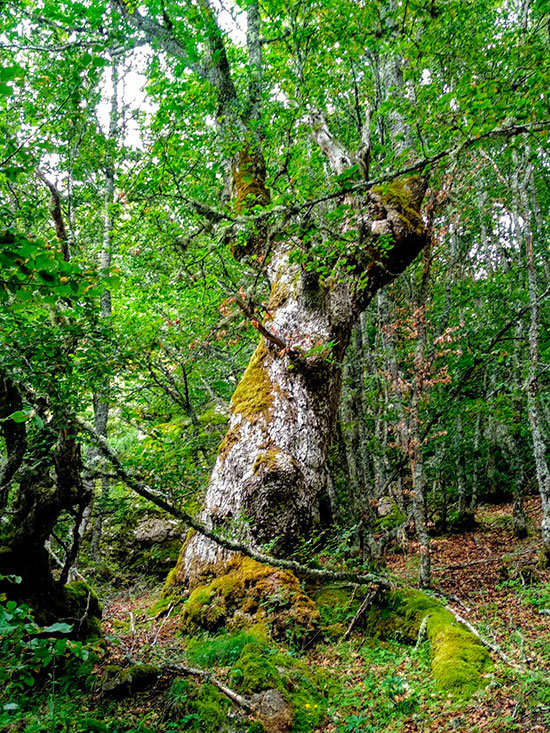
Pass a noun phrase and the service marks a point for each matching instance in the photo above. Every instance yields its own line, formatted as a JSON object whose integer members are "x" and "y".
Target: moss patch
{"x": 253, "y": 396}
{"x": 459, "y": 660}
{"x": 247, "y": 593}
{"x": 84, "y": 606}
{"x": 204, "y": 707}
{"x": 400, "y": 196}
{"x": 259, "y": 668}
{"x": 174, "y": 576}
{"x": 226, "y": 648}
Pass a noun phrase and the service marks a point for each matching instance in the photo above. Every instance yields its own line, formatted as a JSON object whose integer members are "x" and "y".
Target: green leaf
{"x": 58, "y": 628}
{"x": 19, "y": 416}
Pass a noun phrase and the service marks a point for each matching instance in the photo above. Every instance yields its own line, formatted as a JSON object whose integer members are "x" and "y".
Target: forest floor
{"x": 489, "y": 577}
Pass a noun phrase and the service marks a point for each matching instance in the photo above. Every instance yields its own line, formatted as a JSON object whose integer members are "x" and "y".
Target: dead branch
{"x": 493, "y": 647}
{"x": 367, "y": 602}
{"x": 209, "y": 677}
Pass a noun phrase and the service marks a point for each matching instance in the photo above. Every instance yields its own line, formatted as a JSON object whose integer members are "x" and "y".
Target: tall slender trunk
{"x": 475, "y": 463}
{"x": 537, "y": 436}
{"x": 416, "y": 443}
{"x": 460, "y": 467}
{"x": 101, "y": 397}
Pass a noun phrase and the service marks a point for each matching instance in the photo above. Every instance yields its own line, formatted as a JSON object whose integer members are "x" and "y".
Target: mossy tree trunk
{"x": 272, "y": 467}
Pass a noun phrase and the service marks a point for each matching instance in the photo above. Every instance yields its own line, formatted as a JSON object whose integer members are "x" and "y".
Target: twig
{"x": 367, "y": 601}
{"x": 164, "y": 620}
{"x": 493, "y": 647}
{"x": 484, "y": 561}
{"x": 205, "y": 674}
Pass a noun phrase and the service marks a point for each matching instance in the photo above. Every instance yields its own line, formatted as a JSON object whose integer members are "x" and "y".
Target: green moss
{"x": 232, "y": 437}
{"x": 204, "y": 707}
{"x": 280, "y": 292}
{"x": 256, "y": 727}
{"x": 255, "y": 671}
{"x": 258, "y": 668}
{"x": 225, "y": 648}
{"x": 254, "y": 394}
{"x": 335, "y": 603}
{"x": 174, "y": 576}
{"x": 94, "y": 628}
{"x": 459, "y": 660}
{"x": 245, "y": 592}
{"x": 84, "y": 605}
{"x": 249, "y": 180}
{"x": 398, "y": 195}
{"x": 267, "y": 459}
{"x": 394, "y": 518}
{"x": 143, "y": 675}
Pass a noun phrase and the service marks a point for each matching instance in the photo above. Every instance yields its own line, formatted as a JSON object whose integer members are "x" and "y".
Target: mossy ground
{"x": 460, "y": 662}
{"x": 365, "y": 684}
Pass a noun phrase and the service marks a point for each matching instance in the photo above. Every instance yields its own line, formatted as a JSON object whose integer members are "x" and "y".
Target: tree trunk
{"x": 272, "y": 467}
{"x": 539, "y": 447}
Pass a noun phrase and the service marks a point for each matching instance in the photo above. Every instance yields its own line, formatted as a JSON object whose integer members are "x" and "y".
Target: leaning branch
{"x": 159, "y": 499}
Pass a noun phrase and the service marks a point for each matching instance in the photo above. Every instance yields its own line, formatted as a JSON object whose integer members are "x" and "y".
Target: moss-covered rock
{"x": 246, "y": 593}
{"x": 300, "y": 704}
{"x": 84, "y": 607}
{"x": 143, "y": 676}
{"x": 116, "y": 681}
{"x": 204, "y": 706}
{"x": 255, "y": 670}
{"x": 459, "y": 660}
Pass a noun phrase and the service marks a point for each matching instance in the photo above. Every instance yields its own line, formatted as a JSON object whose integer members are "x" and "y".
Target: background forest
{"x": 361, "y": 188}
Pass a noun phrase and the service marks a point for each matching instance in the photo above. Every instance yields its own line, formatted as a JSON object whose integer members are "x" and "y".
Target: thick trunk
{"x": 272, "y": 466}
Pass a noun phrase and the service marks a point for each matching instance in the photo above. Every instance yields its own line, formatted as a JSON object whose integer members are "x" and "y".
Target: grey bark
{"x": 539, "y": 444}
{"x": 101, "y": 398}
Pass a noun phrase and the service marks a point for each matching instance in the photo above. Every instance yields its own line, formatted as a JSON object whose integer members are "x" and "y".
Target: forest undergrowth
{"x": 488, "y": 577}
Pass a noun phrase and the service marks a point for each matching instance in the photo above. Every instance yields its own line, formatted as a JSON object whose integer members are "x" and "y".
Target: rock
{"x": 116, "y": 681}
{"x": 273, "y": 710}
{"x": 155, "y": 530}
{"x": 143, "y": 676}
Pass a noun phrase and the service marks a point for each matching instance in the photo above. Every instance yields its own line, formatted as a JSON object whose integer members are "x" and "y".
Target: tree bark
{"x": 539, "y": 446}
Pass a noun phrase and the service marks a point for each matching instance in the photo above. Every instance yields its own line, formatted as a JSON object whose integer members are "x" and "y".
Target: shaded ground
{"x": 489, "y": 577}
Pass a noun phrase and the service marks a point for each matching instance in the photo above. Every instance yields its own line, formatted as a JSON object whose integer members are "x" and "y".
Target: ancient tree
{"x": 271, "y": 470}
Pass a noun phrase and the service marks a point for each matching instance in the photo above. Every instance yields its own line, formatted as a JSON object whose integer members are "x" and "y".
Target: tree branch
{"x": 338, "y": 156}
{"x": 213, "y": 68}
{"x": 159, "y": 499}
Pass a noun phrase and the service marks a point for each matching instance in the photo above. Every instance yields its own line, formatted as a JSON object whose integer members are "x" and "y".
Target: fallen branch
{"x": 367, "y": 601}
{"x": 485, "y": 561}
{"x": 209, "y": 677}
{"x": 493, "y": 647}
{"x": 158, "y": 498}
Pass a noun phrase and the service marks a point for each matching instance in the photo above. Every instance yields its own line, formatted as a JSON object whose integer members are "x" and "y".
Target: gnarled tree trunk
{"x": 272, "y": 467}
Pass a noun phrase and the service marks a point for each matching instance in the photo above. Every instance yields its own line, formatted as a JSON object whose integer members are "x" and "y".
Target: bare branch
{"x": 339, "y": 158}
